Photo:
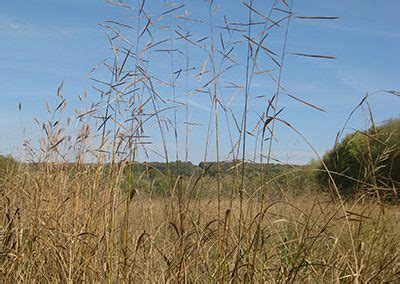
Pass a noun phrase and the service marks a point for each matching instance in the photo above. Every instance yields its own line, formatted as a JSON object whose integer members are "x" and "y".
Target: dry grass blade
{"x": 260, "y": 14}
{"x": 173, "y": 9}
{"x": 396, "y": 93}
{"x": 146, "y": 28}
{"x": 316, "y": 18}
{"x": 119, "y": 4}
{"x": 118, "y": 23}
{"x": 314, "y": 55}
{"x": 304, "y": 102}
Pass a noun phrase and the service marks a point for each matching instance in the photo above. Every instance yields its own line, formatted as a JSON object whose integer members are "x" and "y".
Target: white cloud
{"x": 354, "y": 28}
{"x": 294, "y": 156}
{"x": 369, "y": 32}
{"x": 12, "y": 27}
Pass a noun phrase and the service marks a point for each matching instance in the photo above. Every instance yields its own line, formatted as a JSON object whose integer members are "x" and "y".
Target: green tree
{"x": 365, "y": 160}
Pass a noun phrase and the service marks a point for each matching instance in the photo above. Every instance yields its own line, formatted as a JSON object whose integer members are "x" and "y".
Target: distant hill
{"x": 210, "y": 168}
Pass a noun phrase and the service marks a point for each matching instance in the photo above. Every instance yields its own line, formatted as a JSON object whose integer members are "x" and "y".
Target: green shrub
{"x": 365, "y": 160}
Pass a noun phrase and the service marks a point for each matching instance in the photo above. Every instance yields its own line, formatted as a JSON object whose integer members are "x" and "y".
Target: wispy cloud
{"x": 368, "y": 31}
{"x": 294, "y": 156}
{"x": 357, "y": 29}
{"x": 13, "y": 27}
{"x": 198, "y": 105}
{"x": 363, "y": 80}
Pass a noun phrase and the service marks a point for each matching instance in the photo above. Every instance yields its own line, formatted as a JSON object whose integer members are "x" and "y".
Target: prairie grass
{"x": 70, "y": 226}
{"x": 76, "y": 211}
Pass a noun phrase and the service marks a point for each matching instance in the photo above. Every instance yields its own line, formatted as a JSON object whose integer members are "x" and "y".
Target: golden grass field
{"x": 74, "y": 210}
{"x": 75, "y": 226}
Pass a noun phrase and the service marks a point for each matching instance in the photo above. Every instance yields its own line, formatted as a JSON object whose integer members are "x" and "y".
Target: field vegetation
{"x": 86, "y": 204}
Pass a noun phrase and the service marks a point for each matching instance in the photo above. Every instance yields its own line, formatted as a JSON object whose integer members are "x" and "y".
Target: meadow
{"x": 72, "y": 224}
{"x": 86, "y": 204}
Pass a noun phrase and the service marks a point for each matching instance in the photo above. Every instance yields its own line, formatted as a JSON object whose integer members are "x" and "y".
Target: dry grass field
{"x": 75, "y": 226}
{"x": 73, "y": 209}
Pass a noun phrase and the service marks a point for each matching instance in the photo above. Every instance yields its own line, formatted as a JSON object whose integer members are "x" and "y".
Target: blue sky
{"x": 45, "y": 42}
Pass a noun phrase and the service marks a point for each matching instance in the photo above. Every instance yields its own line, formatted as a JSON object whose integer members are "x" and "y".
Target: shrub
{"x": 366, "y": 160}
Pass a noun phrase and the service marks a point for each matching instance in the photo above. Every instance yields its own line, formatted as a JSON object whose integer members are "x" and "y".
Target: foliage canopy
{"x": 365, "y": 160}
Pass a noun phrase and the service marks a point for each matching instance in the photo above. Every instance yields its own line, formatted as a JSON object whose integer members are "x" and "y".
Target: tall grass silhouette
{"x": 89, "y": 205}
